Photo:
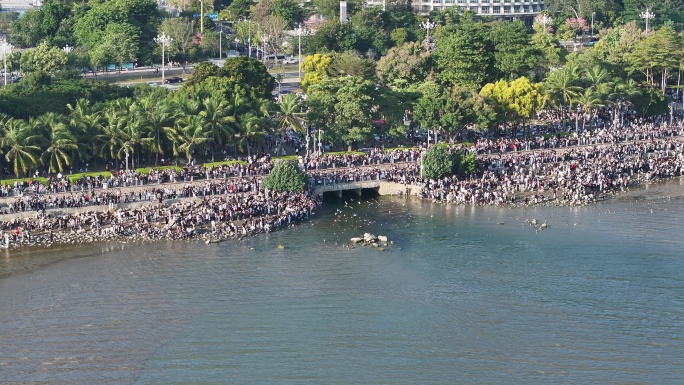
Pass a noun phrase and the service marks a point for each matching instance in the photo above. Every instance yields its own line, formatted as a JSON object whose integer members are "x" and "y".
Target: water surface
{"x": 458, "y": 298}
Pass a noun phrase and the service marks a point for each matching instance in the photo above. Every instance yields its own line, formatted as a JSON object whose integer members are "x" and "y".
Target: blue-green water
{"x": 598, "y": 298}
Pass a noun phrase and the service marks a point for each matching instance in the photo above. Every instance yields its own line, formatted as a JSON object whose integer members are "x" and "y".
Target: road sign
{"x": 212, "y": 16}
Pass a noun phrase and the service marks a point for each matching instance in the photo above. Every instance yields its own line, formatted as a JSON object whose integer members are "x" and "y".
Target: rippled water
{"x": 458, "y": 298}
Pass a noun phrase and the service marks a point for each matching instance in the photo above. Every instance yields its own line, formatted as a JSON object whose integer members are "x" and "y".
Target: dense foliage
{"x": 286, "y": 176}
{"x": 377, "y": 75}
{"x": 437, "y": 162}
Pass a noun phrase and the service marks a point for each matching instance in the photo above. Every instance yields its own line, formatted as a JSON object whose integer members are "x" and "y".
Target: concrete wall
{"x": 392, "y": 188}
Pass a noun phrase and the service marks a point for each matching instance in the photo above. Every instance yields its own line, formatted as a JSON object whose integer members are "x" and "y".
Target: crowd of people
{"x": 229, "y": 200}
{"x": 220, "y": 209}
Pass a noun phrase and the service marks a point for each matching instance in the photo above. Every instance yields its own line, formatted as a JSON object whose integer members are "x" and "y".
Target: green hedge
{"x": 10, "y": 182}
{"x": 286, "y": 158}
{"x": 344, "y": 153}
{"x": 390, "y": 149}
{"x": 224, "y": 163}
{"x": 73, "y": 178}
{"x": 146, "y": 170}
{"x": 561, "y": 134}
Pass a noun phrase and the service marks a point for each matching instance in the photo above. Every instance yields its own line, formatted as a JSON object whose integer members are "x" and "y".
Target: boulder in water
{"x": 369, "y": 237}
{"x": 382, "y": 238}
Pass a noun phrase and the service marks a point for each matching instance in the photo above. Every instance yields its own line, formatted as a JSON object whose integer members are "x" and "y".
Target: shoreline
{"x": 216, "y": 209}
{"x": 65, "y": 239}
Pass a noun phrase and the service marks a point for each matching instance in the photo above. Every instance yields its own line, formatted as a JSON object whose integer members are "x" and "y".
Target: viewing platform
{"x": 380, "y": 187}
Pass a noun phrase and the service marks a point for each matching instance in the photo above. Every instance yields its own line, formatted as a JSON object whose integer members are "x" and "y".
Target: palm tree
{"x": 599, "y": 82}
{"x": 622, "y": 94}
{"x": 589, "y": 100}
{"x": 217, "y": 119}
{"x": 17, "y": 143}
{"x": 190, "y": 134}
{"x": 288, "y": 115}
{"x": 251, "y": 127}
{"x": 85, "y": 122}
{"x": 186, "y": 105}
{"x": 561, "y": 86}
{"x": 61, "y": 142}
{"x": 158, "y": 119}
{"x": 113, "y": 133}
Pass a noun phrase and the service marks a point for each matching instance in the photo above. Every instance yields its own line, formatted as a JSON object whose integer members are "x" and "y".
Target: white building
{"x": 498, "y": 9}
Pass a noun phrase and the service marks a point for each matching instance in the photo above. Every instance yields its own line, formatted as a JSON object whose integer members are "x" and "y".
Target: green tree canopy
{"x": 404, "y": 65}
{"x": 514, "y": 56}
{"x": 437, "y": 162}
{"x": 250, "y": 74}
{"x": 44, "y": 58}
{"x": 344, "y": 108}
{"x": 464, "y": 55}
{"x": 286, "y": 177}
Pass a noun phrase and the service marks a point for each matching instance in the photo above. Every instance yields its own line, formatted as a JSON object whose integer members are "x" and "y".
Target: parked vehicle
{"x": 174, "y": 79}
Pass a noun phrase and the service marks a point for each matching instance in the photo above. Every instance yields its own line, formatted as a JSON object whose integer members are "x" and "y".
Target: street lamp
{"x": 300, "y": 31}
{"x": 647, "y": 15}
{"x": 544, "y": 19}
{"x": 249, "y": 38}
{"x": 6, "y": 48}
{"x": 427, "y": 25}
{"x": 320, "y": 144}
{"x": 593, "y": 14}
{"x": 164, "y": 40}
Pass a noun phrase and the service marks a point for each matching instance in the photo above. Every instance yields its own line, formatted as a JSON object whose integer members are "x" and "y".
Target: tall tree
{"x": 404, "y": 65}
{"x": 18, "y": 143}
{"x": 85, "y": 124}
{"x": 563, "y": 85}
{"x": 658, "y": 54}
{"x": 61, "y": 142}
{"x": 514, "y": 56}
{"x": 250, "y": 75}
{"x": 315, "y": 68}
{"x": 518, "y": 100}
{"x": 43, "y": 58}
{"x": 217, "y": 120}
{"x": 189, "y": 135}
{"x": 464, "y": 56}
{"x": 182, "y": 33}
{"x": 581, "y": 8}
{"x": 343, "y": 108}
{"x": 113, "y": 133}
{"x": 289, "y": 114}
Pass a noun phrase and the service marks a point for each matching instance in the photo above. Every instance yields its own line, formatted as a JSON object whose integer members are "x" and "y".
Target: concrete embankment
{"x": 392, "y": 188}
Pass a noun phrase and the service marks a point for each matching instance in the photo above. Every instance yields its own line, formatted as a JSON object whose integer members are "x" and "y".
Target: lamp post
{"x": 264, "y": 41}
{"x": 5, "y": 47}
{"x": 220, "y": 44}
{"x": 593, "y": 14}
{"x": 544, "y": 19}
{"x": 427, "y": 25}
{"x": 300, "y": 31}
{"x": 249, "y": 37}
{"x": 202, "y": 16}
{"x": 320, "y": 144}
{"x": 164, "y": 40}
{"x": 647, "y": 15}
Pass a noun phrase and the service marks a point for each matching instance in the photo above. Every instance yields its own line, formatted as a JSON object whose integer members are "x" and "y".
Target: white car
{"x": 290, "y": 60}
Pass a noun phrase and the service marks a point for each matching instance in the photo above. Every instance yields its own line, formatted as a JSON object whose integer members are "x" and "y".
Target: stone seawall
{"x": 96, "y": 208}
{"x": 385, "y": 188}
{"x": 392, "y": 188}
